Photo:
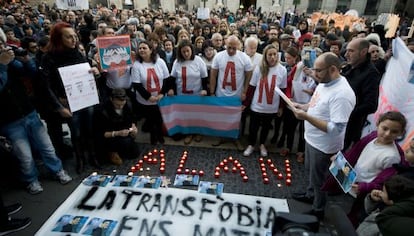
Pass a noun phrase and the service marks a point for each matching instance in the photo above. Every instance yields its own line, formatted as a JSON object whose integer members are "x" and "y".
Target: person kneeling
{"x": 116, "y": 128}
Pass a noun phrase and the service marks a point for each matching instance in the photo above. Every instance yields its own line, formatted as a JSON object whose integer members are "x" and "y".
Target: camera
{"x": 293, "y": 224}
{"x": 19, "y": 52}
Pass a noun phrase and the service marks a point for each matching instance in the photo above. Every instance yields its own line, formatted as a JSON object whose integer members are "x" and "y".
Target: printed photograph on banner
{"x": 186, "y": 180}
{"x": 114, "y": 52}
{"x": 72, "y": 4}
{"x": 70, "y": 224}
{"x": 97, "y": 180}
{"x": 213, "y": 188}
{"x": 148, "y": 182}
{"x": 125, "y": 180}
{"x": 99, "y": 226}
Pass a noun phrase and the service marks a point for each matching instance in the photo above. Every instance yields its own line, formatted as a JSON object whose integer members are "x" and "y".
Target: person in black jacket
{"x": 115, "y": 128}
{"x": 364, "y": 79}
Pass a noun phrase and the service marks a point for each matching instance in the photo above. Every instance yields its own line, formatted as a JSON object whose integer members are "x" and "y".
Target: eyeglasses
{"x": 320, "y": 70}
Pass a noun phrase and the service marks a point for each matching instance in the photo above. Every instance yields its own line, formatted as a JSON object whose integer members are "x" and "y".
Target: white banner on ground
{"x": 72, "y": 4}
{"x": 396, "y": 90}
{"x": 115, "y": 210}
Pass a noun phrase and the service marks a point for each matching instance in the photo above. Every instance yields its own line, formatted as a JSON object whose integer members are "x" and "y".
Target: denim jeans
{"x": 30, "y": 133}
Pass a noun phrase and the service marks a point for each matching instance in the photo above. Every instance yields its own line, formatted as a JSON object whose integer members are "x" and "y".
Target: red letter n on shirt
{"x": 264, "y": 87}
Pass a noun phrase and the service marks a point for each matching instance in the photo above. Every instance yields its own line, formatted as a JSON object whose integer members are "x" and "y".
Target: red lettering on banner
{"x": 230, "y": 67}
{"x": 184, "y": 78}
{"x": 264, "y": 86}
{"x": 151, "y": 75}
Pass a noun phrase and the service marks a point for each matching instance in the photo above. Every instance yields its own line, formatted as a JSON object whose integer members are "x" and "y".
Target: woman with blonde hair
{"x": 261, "y": 97}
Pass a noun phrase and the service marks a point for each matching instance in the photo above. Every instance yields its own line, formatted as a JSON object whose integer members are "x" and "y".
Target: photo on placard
{"x": 213, "y": 188}
{"x": 99, "y": 226}
{"x": 186, "y": 180}
{"x": 149, "y": 182}
{"x": 97, "y": 180}
{"x": 70, "y": 224}
{"x": 125, "y": 180}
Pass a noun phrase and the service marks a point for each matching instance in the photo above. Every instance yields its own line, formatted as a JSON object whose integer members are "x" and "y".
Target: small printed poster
{"x": 80, "y": 86}
{"x": 99, "y": 226}
{"x": 114, "y": 52}
{"x": 97, "y": 180}
{"x": 309, "y": 57}
{"x": 149, "y": 182}
{"x": 186, "y": 180}
{"x": 213, "y": 188}
{"x": 343, "y": 172}
{"x": 125, "y": 180}
{"x": 70, "y": 224}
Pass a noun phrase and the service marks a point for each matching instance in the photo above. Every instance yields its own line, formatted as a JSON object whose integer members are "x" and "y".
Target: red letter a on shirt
{"x": 230, "y": 69}
{"x": 151, "y": 75}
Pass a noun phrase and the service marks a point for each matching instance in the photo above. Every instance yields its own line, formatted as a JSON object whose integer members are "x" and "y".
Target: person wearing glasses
{"x": 326, "y": 117}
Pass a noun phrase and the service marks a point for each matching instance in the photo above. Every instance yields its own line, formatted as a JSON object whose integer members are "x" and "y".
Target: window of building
{"x": 314, "y": 6}
{"x": 372, "y": 7}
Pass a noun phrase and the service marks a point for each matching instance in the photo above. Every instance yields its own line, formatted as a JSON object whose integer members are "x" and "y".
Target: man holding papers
{"x": 326, "y": 117}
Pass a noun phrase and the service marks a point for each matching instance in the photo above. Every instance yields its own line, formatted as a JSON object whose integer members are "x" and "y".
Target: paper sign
{"x": 285, "y": 98}
{"x": 343, "y": 172}
{"x": 203, "y": 13}
{"x": 114, "y": 52}
{"x": 80, "y": 86}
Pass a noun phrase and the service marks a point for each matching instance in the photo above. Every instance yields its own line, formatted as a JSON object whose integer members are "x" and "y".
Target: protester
{"x": 326, "y": 116}
{"x": 264, "y": 102}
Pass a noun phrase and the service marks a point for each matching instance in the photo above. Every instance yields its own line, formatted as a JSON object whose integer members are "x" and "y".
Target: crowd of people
{"x": 176, "y": 54}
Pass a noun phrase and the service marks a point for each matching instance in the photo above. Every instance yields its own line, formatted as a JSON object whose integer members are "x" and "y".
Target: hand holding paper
{"x": 285, "y": 98}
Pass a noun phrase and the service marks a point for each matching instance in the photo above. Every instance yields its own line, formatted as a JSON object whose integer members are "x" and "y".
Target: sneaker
{"x": 263, "y": 151}
{"x": 14, "y": 208}
{"x": 115, "y": 158}
{"x": 14, "y": 225}
{"x": 63, "y": 177}
{"x": 34, "y": 187}
{"x": 249, "y": 150}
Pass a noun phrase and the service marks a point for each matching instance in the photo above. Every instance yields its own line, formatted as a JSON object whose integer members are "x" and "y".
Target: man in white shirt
{"x": 326, "y": 117}
{"x": 230, "y": 74}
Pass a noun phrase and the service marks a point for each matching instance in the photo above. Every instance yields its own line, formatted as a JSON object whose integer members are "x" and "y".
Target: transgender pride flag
{"x": 213, "y": 116}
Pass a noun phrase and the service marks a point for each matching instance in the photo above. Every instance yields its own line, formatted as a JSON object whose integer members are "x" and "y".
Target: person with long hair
{"x": 190, "y": 74}
{"x": 264, "y": 102}
{"x": 62, "y": 50}
{"x": 150, "y": 78}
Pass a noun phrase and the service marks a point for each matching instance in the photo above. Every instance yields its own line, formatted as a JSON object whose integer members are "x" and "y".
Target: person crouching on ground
{"x": 116, "y": 130}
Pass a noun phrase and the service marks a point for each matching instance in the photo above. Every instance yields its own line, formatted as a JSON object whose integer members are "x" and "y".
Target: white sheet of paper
{"x": 285, "y": 98}
{"x": 80, "y": 86}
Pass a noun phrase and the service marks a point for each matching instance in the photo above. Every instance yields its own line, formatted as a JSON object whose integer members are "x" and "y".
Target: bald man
{"x": 326, "y": 117}
{"x": 364, "y": 79}
{"x": 230, "y": 74}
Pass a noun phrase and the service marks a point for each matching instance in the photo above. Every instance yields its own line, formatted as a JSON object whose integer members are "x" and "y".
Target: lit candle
{"x": 221, "y": 164}
{"x": 216, "y": 174}
{"x": 133, "y": 168}
{"x": 217, "y": 168}
{"x": 162, "y": 155}
{"x": 234, "y": 169}
{"x": 181, "y": 165}
{"x": 288, "y": 170}
{"x": 193, "y": 172}
{"x": 225, "y": 161}
{"x": 130, "y": 174}
{"x": 94, "y": 173}
{"x": 266, "y": 180}
{"x": 185, "y": 153}
{"x": 279, "y": 185}
{"x": 149, "y": 154}
{"x": 162, "y": 151}
{"x": 179, "y": 171}
{"x": 238, "y": 165}
{"x": 236, "y": 162}
{"x": 145, "y": 157}
{"x": 149, "y": 160}
{"x": 272, "y": 166}
{"x": 263, "y": 169}
{"x": 187, "y": 171}
{"x": 155, "y": 151}
{"x": 275, "y": 171}
{"x": 184, "y": 157}
{"x": 242, "y": 173}
{"x": 230, "y": 158}
{"x": 182, "y": 162}
{"x": 262, "y": 165}
{"x": 154, "y": 160}
{"x": 201, "y": 173}
{"x": 162, "y": 164}
{"x": 264, "y": 175}
{"x": 226, "y": 169}
{"x": 280, "y": 176}
{"x": 162, "y": 170}
{"x": 245, "y": 178}
{"x": 141, "y": 161}
{"x": 261, "y": 160}
{"x": 288, "y": 182}
{"x": 289, "y": 175}
{"x": 269, "y": 161}
{"x": 287, "y": 161}
{"x": 162, "y": 159}
{"x": 287, "y": 165}
{"x": 241, "y": 168}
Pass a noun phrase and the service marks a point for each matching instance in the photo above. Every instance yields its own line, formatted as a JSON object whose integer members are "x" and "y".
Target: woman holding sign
{"x": 150, "y": 79}
{"x": 62, "y": 51}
